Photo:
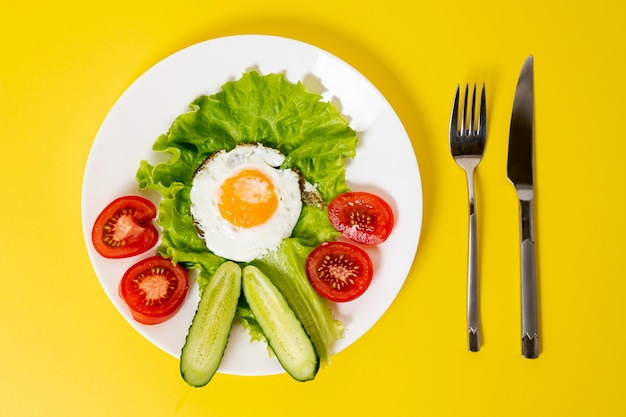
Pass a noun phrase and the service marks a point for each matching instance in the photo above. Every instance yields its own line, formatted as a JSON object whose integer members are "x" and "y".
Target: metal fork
{"x": 467, "y": 144}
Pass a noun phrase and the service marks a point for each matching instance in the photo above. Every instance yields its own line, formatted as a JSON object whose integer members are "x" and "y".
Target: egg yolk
{"x": 248, "y": 199}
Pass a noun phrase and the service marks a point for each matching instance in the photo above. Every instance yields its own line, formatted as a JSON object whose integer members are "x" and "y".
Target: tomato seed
{"x": 339, "y": 271}
{"x": 362, "y": 221}
{"x": 155, "y": 286}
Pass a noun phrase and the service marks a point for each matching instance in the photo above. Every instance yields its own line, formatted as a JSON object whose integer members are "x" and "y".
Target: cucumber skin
{"x": 278, "y": 303}
{"x": 200, "y": 377}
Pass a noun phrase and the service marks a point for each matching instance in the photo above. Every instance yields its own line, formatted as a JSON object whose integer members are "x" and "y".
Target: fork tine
{"x": 464, "y": 117}
{"x": 454, "y": 116}
{"x": 472, "y": 125}
{"x": 482, "y": 120}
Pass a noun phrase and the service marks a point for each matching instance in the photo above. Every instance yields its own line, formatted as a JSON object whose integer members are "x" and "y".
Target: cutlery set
{"x": 467, "y": 145}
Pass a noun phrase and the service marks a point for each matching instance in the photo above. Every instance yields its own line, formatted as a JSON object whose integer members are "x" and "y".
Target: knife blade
{"x": 520, "y": 170}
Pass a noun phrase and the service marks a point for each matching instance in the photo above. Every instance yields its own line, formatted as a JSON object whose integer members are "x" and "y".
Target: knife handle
{"x": 530, "y": 332}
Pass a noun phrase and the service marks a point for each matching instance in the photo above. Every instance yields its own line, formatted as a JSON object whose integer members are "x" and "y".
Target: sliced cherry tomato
{"x": 154, "y": 289}
{"x": 362, "y": 217}
{"x": 339, "y": 271}
{"x": 125, "y": 228}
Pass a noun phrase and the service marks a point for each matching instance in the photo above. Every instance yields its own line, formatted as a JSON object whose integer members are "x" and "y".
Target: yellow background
{"x": 64, "y": 349}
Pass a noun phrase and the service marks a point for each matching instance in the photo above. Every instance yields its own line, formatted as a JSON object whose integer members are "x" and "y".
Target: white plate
{"x": 385, "y": 164}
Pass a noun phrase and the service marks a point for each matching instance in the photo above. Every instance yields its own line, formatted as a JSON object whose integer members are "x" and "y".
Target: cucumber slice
{"x": 284, "y": 332}
{"x": 211, "y": 325}
{"x": 284, "y": 267}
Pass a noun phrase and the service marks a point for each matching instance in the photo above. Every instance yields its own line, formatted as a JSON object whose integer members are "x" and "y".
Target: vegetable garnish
{"x": 339, "y": 271}
{"x": 125, "y": 228}
{"x": 154, "y": 289}
{"x": 209, "y": 331}
{"x": 362, "y": 217}
{"x": 285, "y": 333}
{"x": 315, "y": 140}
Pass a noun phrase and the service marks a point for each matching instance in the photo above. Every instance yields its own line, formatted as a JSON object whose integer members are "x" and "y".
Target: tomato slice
{"x": 125, "y": 228}
{"x": 361, "y": 217}
{"x": 154, "y": 289}
{"x": 339, "y": 271}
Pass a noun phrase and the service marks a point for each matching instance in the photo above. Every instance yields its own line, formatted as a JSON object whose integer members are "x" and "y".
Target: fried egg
{"x": 243, "y": 204}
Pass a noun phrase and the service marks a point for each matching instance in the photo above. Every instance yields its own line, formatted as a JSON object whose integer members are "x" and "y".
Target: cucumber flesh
{"x": 209, "y": 331}
{"x": 284, "y": 332}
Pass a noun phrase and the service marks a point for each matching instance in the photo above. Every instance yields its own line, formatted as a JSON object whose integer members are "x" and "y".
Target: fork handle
{"x": 530, "y": 332}
{"x": 473, "y": 335}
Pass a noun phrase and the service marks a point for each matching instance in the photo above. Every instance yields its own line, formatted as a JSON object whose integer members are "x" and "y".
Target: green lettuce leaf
{"x": 270, "y": 110}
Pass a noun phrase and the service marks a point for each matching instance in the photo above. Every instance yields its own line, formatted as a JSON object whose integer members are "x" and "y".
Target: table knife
{"x": 520, "y": 171}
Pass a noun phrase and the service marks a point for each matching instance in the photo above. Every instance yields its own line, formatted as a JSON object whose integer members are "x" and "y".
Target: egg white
{"x": 238, "y": 243}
